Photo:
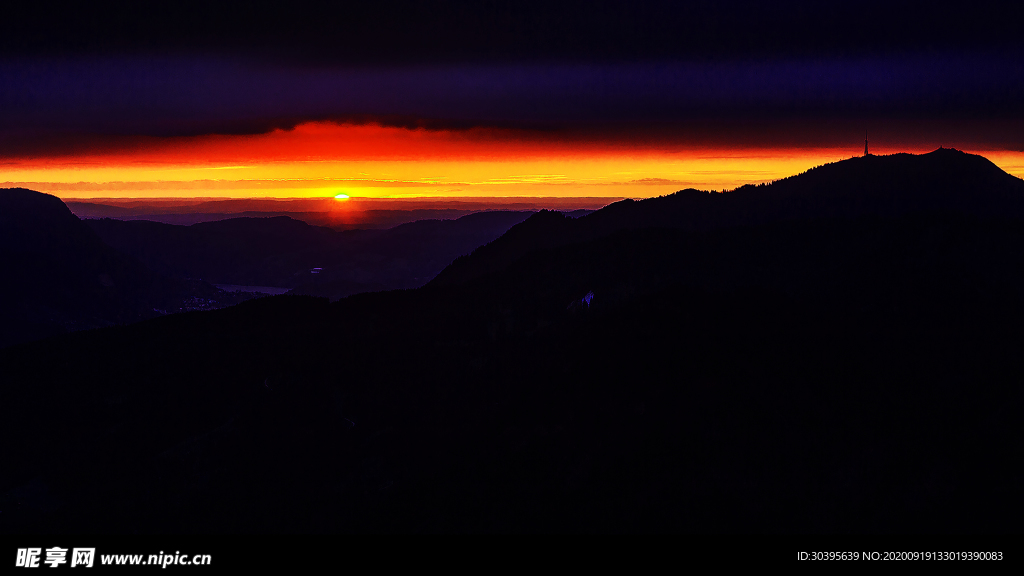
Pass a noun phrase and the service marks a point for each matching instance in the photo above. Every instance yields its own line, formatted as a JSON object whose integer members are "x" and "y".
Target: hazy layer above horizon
{"x": 353, "y": 213}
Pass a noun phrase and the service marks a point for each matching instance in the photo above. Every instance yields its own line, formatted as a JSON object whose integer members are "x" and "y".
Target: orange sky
{"x": 324, "y": 159}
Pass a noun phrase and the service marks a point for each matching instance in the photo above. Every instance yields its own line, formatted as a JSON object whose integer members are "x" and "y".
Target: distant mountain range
{"x": 66, "y": 274}
{"x": 351, "y": 214}
{"x": 837, "y": 352}
{"x": 286, "y": 253}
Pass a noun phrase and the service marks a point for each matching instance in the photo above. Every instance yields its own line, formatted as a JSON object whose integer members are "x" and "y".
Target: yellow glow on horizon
{"x": 614, "y": 176}
{"x": 325, "y": 160}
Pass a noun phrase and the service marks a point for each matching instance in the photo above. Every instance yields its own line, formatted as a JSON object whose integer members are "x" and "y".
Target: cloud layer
{"x": 53, "y": 100}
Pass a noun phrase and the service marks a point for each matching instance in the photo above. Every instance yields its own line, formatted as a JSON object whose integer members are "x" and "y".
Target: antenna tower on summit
{"x": 866, "y": 153}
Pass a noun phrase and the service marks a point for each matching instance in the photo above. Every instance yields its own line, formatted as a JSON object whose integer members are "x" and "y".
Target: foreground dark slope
{"x": 281, "y": 252}
{"x": 798, "y": 376}
{"x": 58, "y": 276}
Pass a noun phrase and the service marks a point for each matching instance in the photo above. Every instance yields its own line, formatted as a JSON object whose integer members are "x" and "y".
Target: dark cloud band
{"x": 165, "y": 96}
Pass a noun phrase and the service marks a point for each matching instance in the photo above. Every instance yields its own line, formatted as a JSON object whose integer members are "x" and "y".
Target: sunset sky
{"x": 400, "y": 99}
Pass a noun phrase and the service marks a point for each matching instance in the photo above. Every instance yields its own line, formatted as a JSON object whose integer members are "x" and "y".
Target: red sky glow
{"x": 322, "y": 159}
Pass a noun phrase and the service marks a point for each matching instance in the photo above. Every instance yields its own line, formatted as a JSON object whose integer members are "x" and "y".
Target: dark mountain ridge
{"x": 282, "y": 252}
{"x": 60, "y": 276}
{"x": 247, "y": 251}
{"x": 793, "y": 376}
{"x": 945, "y": 180}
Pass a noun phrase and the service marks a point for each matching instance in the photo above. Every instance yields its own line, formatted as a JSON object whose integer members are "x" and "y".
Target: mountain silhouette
{"x": 60, "y": 276}
{"x": 282, "y": 252}
{"x": 808, "y": 366}
{"x": 245, "y": 251}
{"x": 946, "y": 180}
